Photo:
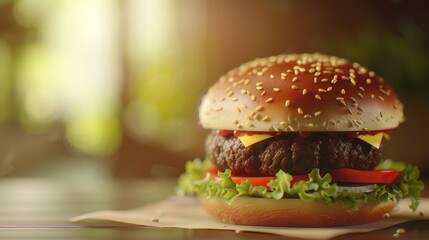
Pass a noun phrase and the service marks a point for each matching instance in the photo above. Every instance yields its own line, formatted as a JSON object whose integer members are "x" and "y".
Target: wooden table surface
{"x": 34, "y": 208}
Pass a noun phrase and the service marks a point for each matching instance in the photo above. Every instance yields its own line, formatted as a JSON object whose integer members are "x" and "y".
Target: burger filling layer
{"x": 292, "y": 153}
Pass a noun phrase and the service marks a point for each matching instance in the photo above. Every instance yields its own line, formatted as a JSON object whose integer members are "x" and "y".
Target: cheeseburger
{"x": 297, "y": 140}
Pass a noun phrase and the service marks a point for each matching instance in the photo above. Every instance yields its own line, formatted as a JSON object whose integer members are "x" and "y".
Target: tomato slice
{"x": 360, "y": 176}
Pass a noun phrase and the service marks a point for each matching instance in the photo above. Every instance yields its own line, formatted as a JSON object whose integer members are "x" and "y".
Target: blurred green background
{"x": 110, "y": 88}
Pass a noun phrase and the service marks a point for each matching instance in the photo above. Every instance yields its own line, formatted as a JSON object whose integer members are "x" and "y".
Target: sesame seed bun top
{"x": 301, "y": 92}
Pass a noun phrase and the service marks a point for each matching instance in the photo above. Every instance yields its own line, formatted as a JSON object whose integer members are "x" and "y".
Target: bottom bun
{"x": 292, "y": 212}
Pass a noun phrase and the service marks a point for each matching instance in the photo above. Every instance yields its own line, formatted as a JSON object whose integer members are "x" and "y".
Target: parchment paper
{"x": 188, "y": 214}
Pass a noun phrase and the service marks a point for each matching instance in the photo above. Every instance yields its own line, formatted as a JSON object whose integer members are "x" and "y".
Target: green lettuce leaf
{"x": 195, "y": 181}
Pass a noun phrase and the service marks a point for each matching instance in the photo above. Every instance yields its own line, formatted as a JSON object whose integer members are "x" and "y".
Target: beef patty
{"x": 291, "y": 153}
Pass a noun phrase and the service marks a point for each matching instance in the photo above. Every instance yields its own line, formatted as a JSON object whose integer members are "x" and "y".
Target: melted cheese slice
{"x": 374, "y": 140}
{"x": 248, "y": 140}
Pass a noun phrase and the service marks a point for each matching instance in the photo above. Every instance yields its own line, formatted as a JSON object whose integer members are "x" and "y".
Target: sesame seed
{"x": 259, "y": 84}
{"x": 321, "y": 90}
{"x": 400, "y": 230}
{"x": 271, "y": 76}
{"x": 239, "y": 126}
{"x": 246, "y": 82}
{"x": 356, "y": 123}
{"x": 362, "y": 89}
{"x": 340, "y": 98}
{"x": 259, "y": 73}
{"x": 244, "y": 106}
{"x": 230, "y": 93}
{"x": 353, "y": 81}
{"x": 259, "y": 88}
{"x": 343, "y": 91}
{"x": 266, "y": 119}
{"x": 337, "y": 70}
{"x": 381, "y": 98}
{"x": 222, "y": 99}
{"x": 304, "y": 91}
{"x": 352, "y": 75}
{"x": 345, "y": 78}
{"x": 371, "y": 74}
{"x": 387, "y": 93}
{"x": 307, "y": 116}
{"x": 362, "y": 70}
{"x": 353, "y": 99}
{"x": 300, "y": 111}
{"x": 283, "y": 74}
{"x": 269, "y": 100}
{"x": 343, "y": 103}
{"x": 283, "y": 123}
{"x": 276, "y": 89}
{"x": 263, "y": 93}
{"x": 329, "y": 89}
{"x": 243, "y": 91}
{"x": 294, "y": 79}
{"x": 238, "y": 109}
{"x": 324, "y": 80}
{"x": 287, "y": 103}
{"x": 317, "y": 113}
{"x": 334, "y": 80}
{"x": 349, "y": 110}
{"x": 372, "y": 96}
{"x": 294, "y": 87}
{"x": 259, "y": 108}
{"x": 317, "y": 97}
{"x": 234, "y": 99}
{"x": 296, "y": 71}
{"x": 360, "y": 95}
{"x": 368, "y": 81}
{"x": 154, "y": 220}
{"x": 396, "y": 235}
{"x": 235, "y": 121}
{"x": 317, "y": 74}
{"x": 315, "y": 79}
{"x": 253, "y": 97}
